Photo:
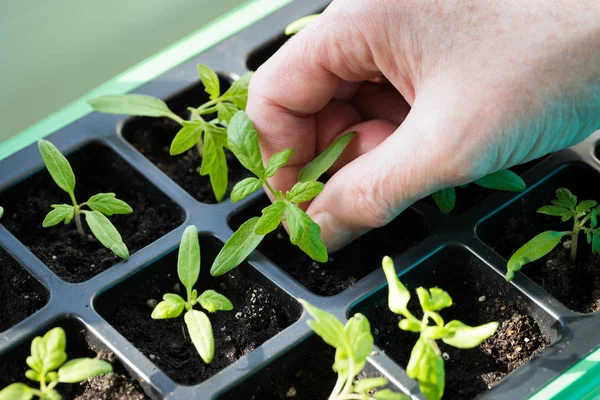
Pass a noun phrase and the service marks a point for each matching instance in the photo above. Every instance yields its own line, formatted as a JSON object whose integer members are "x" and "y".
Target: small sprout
{"x": 304, "y": 232}
{"x": 426, "y": 362}
{"x": 1, "y": 212}
{"x": 300, "y": 24}
{"x": 585, "y": 219}
{"x": 49, "y": 367}
{"x": 353, "y": 344}
{"x": 208, "y": 136}
{"x": 505, "y": 180}
{"x": 101, "y": 204}
{"x": 197, "y": 322}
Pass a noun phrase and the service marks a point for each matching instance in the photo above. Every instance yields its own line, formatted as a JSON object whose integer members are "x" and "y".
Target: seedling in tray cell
{"x": 426, "y": 363}
{"x": 49, "y": 367}
{"x": 585, "y": 219}
{"x": 208, "y": 136}
{"x": 197, "y": 322}
{"x": 101, "y": 204}
{"x": 304, "y": 232}
{"x": 353, "y": 343}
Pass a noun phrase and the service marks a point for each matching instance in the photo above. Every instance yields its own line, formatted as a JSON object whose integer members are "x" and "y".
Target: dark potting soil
{"x": 258, "y": 314}
{"x": 475, "y": 301}
{"x": 97, "y": 169}
{"x": 22, "y": 294}
{"x": 345, "y": 267}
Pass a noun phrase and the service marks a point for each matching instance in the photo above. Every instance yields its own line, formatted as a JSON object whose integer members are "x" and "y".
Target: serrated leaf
{"x": 131, "y": 104}
{"x": 555, "y": 210}
{"x": 321, "y": 164}
{"x": 502, "y": 180}
{"x": 243, "y": 142}
{"x": 565, "y": 198}
{"x": 61, "y": 212}
{"x": 398, "y": 296}
{"x": 535, "y": 249}
{"x": 58, "y": 166}
{"x": 226, "y": 111}
{"x": 200, "y": 330}
{"x": 466, "y": 337}
{"x": 188, "y": 261}
{"x": 327, "y": 326}
{"x": 212, "y": 301}
{"x": 17, "y": 391}
{"x": 270, "y": 219}
{"x": 106, "y": 233}
{"x": 171, "y": 307}
{"x": 210, "y": 80}
{"x": 277, "y": 161}
{"x": 304, "y": 191}
{"x": 245, "y": 188}
{"x": 585, "y": 206}
{"x": 238, "y": 92}
{"x": 214, "y": 162}
{"x": 427, "y": 367}
{"x": 80, "y": 369}
{"x": 445, "y": 199}
{"x": 108, "y": 204}
{"x": 238, "y": 247}
{"x": 366, "y": 384}
{"x": 305, "y": 233}
{"x": 187, "y": 137}
{"x": 300, "y": 24}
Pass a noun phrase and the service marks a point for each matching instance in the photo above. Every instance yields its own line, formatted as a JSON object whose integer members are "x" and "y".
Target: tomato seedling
{"x": 101, "y": 204}
{"x": 304, "y": 232}
{"x": 208, "y": 136}
{"x": 426, "y": 363}
{"x": 49, "y": 366}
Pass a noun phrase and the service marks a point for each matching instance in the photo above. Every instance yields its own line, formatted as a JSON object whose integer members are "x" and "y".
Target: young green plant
{"x": 1, "y": 212}
{"x": 101, "y": 204}
{"x": 505, "y": 180}
{"x": 304, "y": 232}
{"x": 208, "y": 136}
{"x": 49, "y": 366}
{"x": 353, "y": 344}
{"x": 426, "y": 363}
{"x": 300, "y": 24}
{"x": 585, "y": 219}
{"x": 197, "y": 322}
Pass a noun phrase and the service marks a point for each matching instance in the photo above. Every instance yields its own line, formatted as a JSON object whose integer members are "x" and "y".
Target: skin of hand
{"x": 475, "y": 86}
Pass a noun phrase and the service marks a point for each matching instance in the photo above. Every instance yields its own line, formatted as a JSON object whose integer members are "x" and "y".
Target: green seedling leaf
{"x": 171, "y": 307}
{"x": 502, "y": 180}
{"x": 277, "y": 161}
{"x": 304, "y": 191}
{"x": 1, "y": 212}
{"x": 237, "y": 248}
{"x": 565, "y": 198}
{"x": 466, "y": 337}
{"x": 445, "y": 199}
{"x": 48, "y": 352}
{"x": 243, "y": 142}
{"x": 210, "y": 80}
{"x": 32, "y": 375}
{"x": 132, "y": 104}
{"x": 80, "y": 369}
{"x": 595, "y": 243}
{"x": 364, "y": 385}
{"x": 200, "y": 330}
{"x": 300, "y": 24}
{"x": 559, "y": 211}
{"x": 427, "y": 367}
{"x": 411, "y": 325}
{"x": 60, "y": 213}
{"x": 244, "y": 188}
{"x": 585, "y": 206}
{"x": 17, "y": 391}
{"x": 226, "y": 111}
{"x": 398, "y": 296}
{"x": 108, "y": 204}
{"x": 305, "y": 233}
{"x": 271, "y": 218}
{"x": 321, "y": 164}
{"x": 387, "y": 394}
{"x": 360, "y": 340}
{"x": 187, "y": 137}
{"x": 533, "y": 250}
{"x": 238, "y": 92}
{"x": 214, "y": 162}
{"x": 327, "y": 326}
{"x": 51, "y": 395}
{"x": 439, "y": 299}
{"x": 212, "y": 301}
{"x": 593, "y": 219}
{"x": 106, "y": 233}
{"x": 188, "y": 261}
{"x": 58, "y": 166}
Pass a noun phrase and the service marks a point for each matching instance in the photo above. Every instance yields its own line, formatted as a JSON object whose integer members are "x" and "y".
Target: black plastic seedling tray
{"x": 463, "y": 252}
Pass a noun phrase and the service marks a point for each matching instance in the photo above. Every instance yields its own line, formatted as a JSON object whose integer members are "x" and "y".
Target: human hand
{"x": 478, "y": 86}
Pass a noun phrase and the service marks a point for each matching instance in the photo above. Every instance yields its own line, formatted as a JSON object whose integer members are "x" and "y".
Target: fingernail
{"x": 334, "y": 234}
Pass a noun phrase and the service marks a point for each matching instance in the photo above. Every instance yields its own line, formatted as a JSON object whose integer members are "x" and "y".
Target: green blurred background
{"x": 54, "y": 51}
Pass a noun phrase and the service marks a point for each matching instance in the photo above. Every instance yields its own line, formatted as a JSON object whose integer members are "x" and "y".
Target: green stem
{"x": 208, "y": 104}
{"x": 574, "y": 238}
{"x": 336, "y": 389}
{"x": 77, "y": 212}
{"x": 348, "y": 386}
{"x": 200, "y": 146}
{"x": 176, "y": 118}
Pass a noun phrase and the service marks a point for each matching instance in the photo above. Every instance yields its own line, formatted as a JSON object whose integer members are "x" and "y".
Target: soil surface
{"x": 475, "y": 301}
{"x": 97, "y": 169}
{"x": 345, "y": 267}
{"x": 259, "y": 313}
{"x": 153, "y": 136}
{"x": 22, "y": 293}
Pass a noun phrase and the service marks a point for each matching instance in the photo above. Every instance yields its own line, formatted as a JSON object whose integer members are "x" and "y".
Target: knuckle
{"x": 369, "y": 196}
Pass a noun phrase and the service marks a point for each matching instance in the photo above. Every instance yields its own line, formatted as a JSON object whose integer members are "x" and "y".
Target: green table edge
{"x": 581, "y": 381}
